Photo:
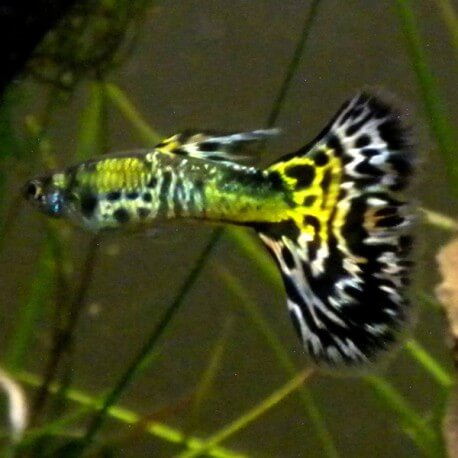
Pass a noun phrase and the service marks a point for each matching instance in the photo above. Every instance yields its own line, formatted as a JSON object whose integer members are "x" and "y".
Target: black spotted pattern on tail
{"x": 343, "y": 250}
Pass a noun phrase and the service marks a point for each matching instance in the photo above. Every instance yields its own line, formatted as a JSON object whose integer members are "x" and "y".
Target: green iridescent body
{"x": 138, "y": 189}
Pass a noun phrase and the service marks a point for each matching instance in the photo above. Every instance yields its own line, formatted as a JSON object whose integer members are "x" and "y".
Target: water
{"x": 219, "y": 65}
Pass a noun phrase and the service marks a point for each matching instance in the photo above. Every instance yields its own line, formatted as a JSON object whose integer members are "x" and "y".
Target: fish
{"x": 332, "y": 214}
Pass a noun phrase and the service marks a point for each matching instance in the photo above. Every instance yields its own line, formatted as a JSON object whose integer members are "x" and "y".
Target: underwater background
{"x": 118, "y": 76}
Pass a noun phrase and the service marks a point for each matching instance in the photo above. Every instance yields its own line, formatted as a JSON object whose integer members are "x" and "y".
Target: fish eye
{"x": 33, "y": 190}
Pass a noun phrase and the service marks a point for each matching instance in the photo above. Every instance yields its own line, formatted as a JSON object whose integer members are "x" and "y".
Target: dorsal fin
{"x": 216, "y": 146}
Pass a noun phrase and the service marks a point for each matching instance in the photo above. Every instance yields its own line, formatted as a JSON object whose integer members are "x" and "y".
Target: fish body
{"x": 131, "y": 191}
{"x": 331, "y": 214}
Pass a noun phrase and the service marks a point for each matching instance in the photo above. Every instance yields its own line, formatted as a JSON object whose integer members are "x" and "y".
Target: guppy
{"x": 331, "y": 214}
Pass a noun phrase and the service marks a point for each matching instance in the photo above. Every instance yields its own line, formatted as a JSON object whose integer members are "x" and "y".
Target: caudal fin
{"x": 343, "y": 248}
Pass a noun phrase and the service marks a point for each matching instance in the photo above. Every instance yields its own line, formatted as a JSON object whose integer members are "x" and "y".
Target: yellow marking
{"x": 282, "y": 167}
{"x": 318, "y": 209}
{"x": 169, "y": 144}
{"x": 59, "y": 180}
{"x": 116, "y": 173}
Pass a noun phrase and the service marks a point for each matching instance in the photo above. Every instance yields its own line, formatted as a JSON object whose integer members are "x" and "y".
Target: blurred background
{"x": 115, "y": 75}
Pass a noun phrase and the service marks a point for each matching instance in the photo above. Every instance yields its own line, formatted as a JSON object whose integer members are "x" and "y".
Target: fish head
{"x": 47, "y": 193}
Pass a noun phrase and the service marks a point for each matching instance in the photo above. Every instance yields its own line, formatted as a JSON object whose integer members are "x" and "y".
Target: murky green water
{"x": 219, "y": 65}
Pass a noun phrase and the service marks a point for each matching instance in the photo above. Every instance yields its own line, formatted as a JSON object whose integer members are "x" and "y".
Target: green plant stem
{"x": 439, "y": 124}
{"x": 123, "y": 415}
{"x": 260, "y": 324}
{"x": 439, "y": 220}
{"x": 250, "y": 246}
{"x": 64, "y": 336}
{"x": 294, "y": 63}
{"x": 91, "y": 140}
{"x": 92, "y": 120}
{"x": 428, "y": 300}
{"x": 122, "y": 102}
{"x": 450, "y": 18}
{"x": 209, "y": 375}
{"x": 40, "y": 292}
{"x": 432, "y": 367}
{"x": 54, "y": 427}
{"x": 139, "y": 361}
{"x": 41, "y": 285}
{"x": 250, "y": 416}
{"x": 421, "y": 433}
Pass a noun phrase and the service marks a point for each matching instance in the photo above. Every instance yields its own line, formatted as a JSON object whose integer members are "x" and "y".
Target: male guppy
{"x": 330, "y": 214}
